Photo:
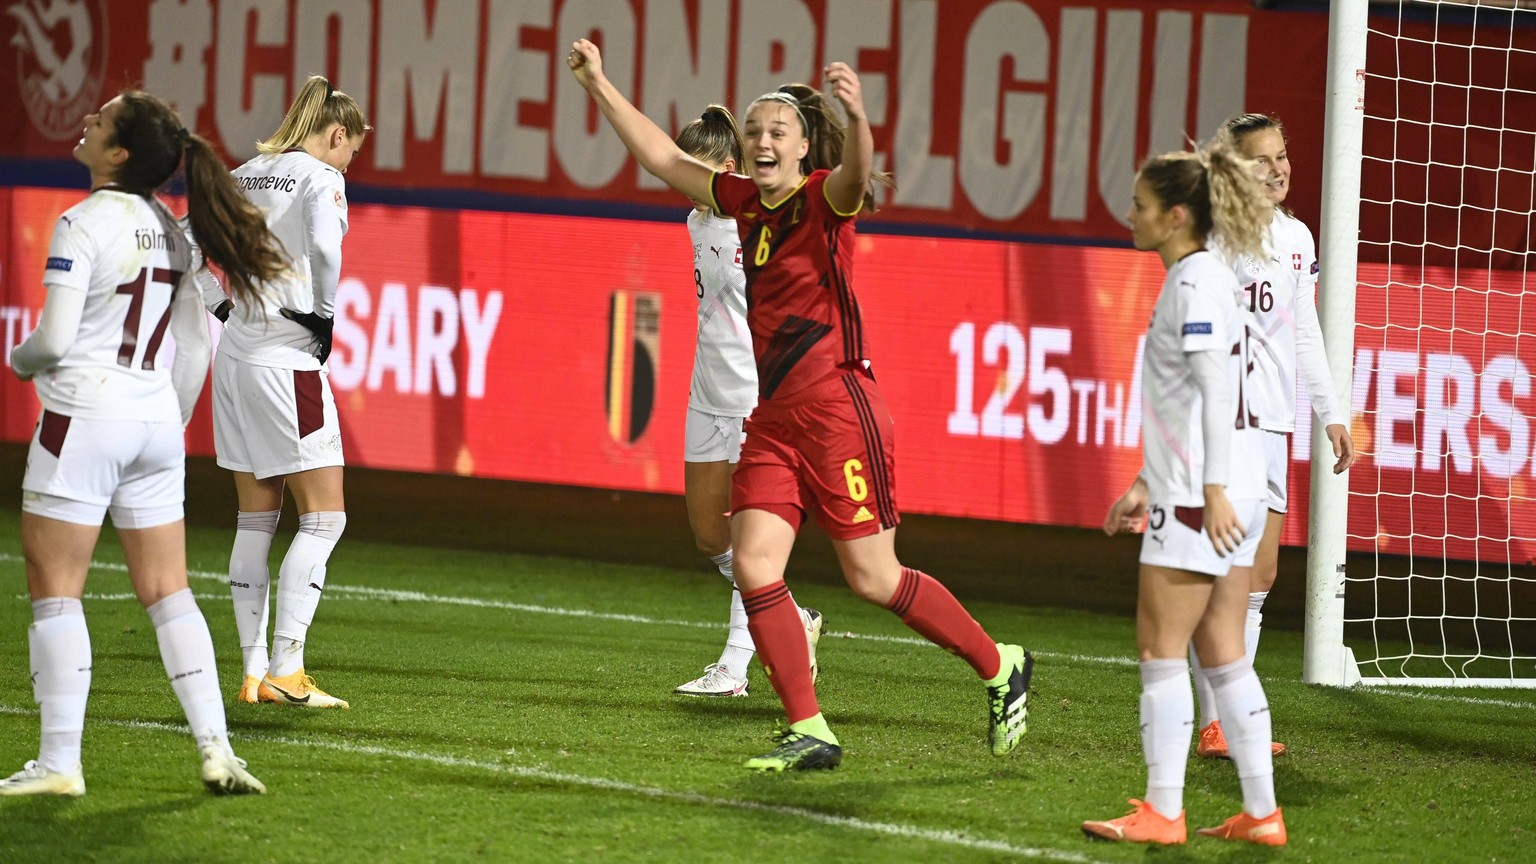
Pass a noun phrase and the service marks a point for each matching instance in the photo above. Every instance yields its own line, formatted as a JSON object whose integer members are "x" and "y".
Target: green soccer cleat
{"x": 1007, "y": 700}
{"x": 797, "y": 751}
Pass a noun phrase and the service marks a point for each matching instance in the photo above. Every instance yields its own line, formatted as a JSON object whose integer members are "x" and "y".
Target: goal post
{"x": 1428, "y": 308}
{"x": 1326, "y": 660}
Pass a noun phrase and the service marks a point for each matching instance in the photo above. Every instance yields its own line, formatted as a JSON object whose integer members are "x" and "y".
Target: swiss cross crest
{"x": 1296, "y": 260}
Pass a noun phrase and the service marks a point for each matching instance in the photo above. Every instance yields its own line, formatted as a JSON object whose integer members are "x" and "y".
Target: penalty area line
{"x": 890, "y": 829}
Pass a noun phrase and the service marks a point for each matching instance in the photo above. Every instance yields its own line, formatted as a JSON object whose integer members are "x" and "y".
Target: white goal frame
{"x": 1328, "y": 659}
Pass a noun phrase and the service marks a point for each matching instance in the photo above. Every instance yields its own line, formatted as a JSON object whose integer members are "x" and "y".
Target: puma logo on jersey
{"x": 862, "y": 516}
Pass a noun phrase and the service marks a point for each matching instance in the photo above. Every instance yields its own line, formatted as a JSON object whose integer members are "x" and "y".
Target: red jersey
{"x": 798, "y": 259}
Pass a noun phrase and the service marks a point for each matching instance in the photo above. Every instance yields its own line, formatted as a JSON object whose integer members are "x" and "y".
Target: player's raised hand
{"x": 586, "y": 62}
{"x": 845, "y": 87}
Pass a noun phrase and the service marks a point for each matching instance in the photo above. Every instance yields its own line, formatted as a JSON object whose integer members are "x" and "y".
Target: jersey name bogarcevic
{"x": 294, "y": 190}
{"x": 1197, "y": 310}
{"x": 797, "y": 255}
{"x": 724, "y": 371}
{"x": 129, "y": 256}
{"x": 1281, "y": 292}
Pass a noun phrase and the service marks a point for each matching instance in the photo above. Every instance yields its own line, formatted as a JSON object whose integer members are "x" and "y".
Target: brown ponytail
{"x": 231, "y": 232}
{"x": 229, "y": 229}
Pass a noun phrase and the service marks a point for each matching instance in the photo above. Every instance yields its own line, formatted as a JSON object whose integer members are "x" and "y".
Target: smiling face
{"x": 776, "y": 143}
{"x": 98, "y": 149}
{"x": 1267, "y": 147}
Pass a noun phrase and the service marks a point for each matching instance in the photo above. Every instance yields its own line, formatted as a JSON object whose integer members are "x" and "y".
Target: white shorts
{"x": 270, "y": 422}
{"x": 1277, "y": 466}
{"x": 712, "y": 438}
{"x": 1175, "y": 537}
{"x": 78, "y": 469}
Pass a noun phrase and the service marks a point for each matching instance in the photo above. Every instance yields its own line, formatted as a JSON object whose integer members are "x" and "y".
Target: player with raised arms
{"x": 274, "y": 417}
{"x": 1200, "y": 493}
{"x": 114, "y": 403}
{"x": 1280, "y": 289}
{"x": 721, "y": 395}
{"x": 820, "y": 439}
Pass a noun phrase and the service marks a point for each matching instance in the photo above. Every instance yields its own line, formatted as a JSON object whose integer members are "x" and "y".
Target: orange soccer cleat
{"x": 1269, "y": 831}
{"x": 1213, "y": 743}
{"x": 1142, "y": 825}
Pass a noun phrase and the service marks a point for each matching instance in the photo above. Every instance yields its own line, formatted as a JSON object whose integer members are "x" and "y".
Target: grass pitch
{"x": 517, "y": 708}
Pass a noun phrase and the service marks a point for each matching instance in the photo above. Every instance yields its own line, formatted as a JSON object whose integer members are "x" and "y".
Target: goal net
{"x": 1439, "y": 588}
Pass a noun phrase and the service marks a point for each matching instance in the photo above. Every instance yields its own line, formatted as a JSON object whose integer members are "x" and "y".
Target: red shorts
{"x": 829, "y": 450}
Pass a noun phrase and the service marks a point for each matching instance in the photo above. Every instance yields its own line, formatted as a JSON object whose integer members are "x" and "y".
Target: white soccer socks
{"x": 1167, "y": 723}
{"x": 1253, "y": 623}
{"x": 186, "y": 648}
{"x": 739, "y": 647}
{"x": 300, "y": 582}
{"x": 1204, "y": 693}
{"x": 60, "y": 648}
{"x": 1203, "y": 688}
{"x": 249, "y": 581}
{"x": 725, "y": 561}
{"x": 1246, "y": 721}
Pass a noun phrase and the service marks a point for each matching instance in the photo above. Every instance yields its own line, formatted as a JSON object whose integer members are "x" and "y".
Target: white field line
{"x": 363, "y": 592}
{"x": 360, "y": 592}
{"x": 891, "y": 829}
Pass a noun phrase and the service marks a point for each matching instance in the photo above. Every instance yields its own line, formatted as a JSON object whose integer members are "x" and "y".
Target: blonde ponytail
{"x": 1240, "y": 211}
{"x": 1221, "y": 191}
{"x": 318, "y": 107}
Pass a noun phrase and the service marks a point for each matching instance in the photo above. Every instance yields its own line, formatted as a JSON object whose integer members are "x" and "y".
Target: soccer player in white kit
{"x": 274, "y": 418}
{"x": 1280, "y": 289}
{"x": 1200, "y": 493}
{"x": 721, "y": 395}
{"x": 115, "y": 399}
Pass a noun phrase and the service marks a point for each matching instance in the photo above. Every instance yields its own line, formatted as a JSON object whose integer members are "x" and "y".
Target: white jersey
{"x": 129, "y": 256}
{"x": 724, "y": 371}
{"x": 1281, "y": 292}
{"x": 1198, "y": 310}
{"x": 305, "y": 203}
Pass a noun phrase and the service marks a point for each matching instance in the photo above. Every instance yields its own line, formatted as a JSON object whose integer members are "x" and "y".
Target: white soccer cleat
{"x": 813, "y": 624}
{"x": 224, "y": 773}
{"x": 34, "y": 779}
{"x": 716, "y": 681}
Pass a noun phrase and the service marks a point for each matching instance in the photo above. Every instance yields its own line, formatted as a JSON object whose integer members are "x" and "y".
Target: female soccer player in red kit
{"x": 820, "y": 438}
